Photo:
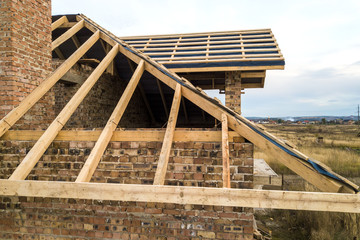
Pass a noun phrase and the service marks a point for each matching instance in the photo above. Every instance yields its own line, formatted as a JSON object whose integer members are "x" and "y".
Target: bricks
{"x": 122, "y": 163}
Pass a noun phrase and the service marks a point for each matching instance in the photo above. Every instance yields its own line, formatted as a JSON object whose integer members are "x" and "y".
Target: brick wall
{"x": 95, "y": 110}
{"x": 233, "y": 91}
{"x": 25, "y": 50}
{"x": 191, "y": 164}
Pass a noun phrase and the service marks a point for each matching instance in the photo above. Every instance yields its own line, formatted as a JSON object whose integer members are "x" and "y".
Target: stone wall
{"x": 190, "y": 164}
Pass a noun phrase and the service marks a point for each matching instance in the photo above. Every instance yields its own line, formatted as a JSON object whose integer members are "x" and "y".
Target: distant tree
{"x": 280, "y": 120}
{"x": 323, "y": 121}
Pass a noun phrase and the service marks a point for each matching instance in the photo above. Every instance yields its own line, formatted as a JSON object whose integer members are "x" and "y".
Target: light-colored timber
{"x": 94, "y": 158}
{"x": 59, "y": 22}
{"x": 168, "y": 138}
{"x": 225, "y": 151}
{"x": 310, "y": 201}
{"x": 68, "y": 34}
{"x": 12, "y": 117}
{"x": 123, "y": 135}
{"x": 49, "y": 135}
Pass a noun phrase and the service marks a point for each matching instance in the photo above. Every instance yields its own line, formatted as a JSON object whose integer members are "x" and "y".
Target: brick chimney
{"x": 25, "y": 49}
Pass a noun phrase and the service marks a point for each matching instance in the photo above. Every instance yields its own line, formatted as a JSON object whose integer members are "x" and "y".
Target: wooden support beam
{"x": 184, "y": 109}
{"x": 68, "y": 34}
{"x": 147, "y": 135}
{"x": 77, "y": 43}
{"x": 163, "y": 98}
{"x": 12, "y": 117}
{"x": 59, "y": 22}
{"x": 49, "y": 135}
{"x": 94, "y": 158}
{"x": 143, "y": 94}
{"x": 59, "y": 53}
{"x": 225, "y": 151}
{"x": 310, "y": 201}
{"x": 301, "y": 167}
{"x": 168, "y": 139}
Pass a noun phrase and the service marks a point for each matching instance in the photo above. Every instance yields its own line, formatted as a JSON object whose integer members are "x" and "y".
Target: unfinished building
{"x": 114, "y": 137}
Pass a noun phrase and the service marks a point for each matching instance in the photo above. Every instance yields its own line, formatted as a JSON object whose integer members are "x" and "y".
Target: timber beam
{"x": 149, "y": 135}
{"x": 313, "y": 201}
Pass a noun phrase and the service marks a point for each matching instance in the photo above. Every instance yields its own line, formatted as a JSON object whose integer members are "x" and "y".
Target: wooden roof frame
{"x": 347, "y": 201}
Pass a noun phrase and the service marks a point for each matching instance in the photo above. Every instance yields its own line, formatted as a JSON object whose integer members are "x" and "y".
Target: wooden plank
{"x": 222, "y": 69}
{"x": 59, "y": 22}
{"x": 77, "y": 43}
{"x": 212, "y": 47}
{"x": 147, "y": 135}
{"x": 12, "y": 117}
{"x": 205, "y": 37}
{"x": 200, "y": 34}
{"x": 311, "y": 201}
{"x": 59, "y": 53}
{"x": 300, "y": 167}
{"x": 168, "y": 139}
{"x": 225, "y": 151}
{"x": 211, "y": 42}
{"x": 94, "y": 158}
{"x": 68, "y": 34}
{"x": 49, "y": 135}
{"x": 162, "y": 98}
{"x": 184, "y": 109}
{"x": 239, "y": 50}
{"x": 250, "y": 59}
{"x": 143, "y": 94}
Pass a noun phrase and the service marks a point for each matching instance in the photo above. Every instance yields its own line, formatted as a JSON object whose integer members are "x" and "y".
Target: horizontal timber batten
{"x": 123, "y": 135}
{"x": 313, "y": 201}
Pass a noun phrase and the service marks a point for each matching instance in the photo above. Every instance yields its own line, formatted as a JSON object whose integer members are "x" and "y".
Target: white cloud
{"x": 319, "y": 40}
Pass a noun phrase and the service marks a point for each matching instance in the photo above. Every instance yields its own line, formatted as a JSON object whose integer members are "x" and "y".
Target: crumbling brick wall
{"x": 25, "y": 53}
{"x": 190, "y": 164}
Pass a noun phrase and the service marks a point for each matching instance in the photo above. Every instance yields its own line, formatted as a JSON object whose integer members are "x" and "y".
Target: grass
{"x": 340, "y": 150}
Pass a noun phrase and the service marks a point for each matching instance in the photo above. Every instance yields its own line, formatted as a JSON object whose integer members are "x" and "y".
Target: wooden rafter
{"x": 59, "y": 22}
{"x": 12, "y": 117}
{"x": 181, "y": 195}
{"x": 68, "y": 34}
{"x": 168, "y": 139}
{"x": 49, "y": 135}
{"x": 298, "y": 166}
{"x": 184, "y": 109}
{"x": 313, "y": 201}
{"x": 59, "y": 53}
{"x": 94, "y": 158}
{"x": 143, "y": 94}
{"x": 225, "y": 151}
{"x": 162, "y": 98}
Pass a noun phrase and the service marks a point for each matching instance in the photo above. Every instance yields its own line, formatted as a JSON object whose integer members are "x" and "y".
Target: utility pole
{"x": 358, "y": 118}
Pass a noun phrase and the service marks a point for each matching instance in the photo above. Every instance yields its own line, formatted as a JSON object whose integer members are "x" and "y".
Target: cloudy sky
{"x": 319, "y": 39}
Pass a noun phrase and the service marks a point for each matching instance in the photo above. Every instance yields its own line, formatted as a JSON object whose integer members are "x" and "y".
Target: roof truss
{"x": 289, "y": 156}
